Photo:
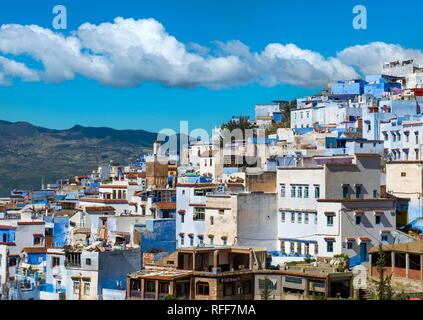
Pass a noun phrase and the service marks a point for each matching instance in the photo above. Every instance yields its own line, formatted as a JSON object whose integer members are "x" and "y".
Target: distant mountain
{"x": 28, "y": 152}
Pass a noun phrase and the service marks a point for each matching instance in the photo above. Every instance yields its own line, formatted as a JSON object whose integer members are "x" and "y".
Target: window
{"x": 298, "y": 247}
{"x": 211, "y": 241}
{"x": 417, "y": 137}
{"x": 357, "y": 220}
{"x": 306, "y": 192}
{"x": 182, "y": 217}
{"x": 350, "y": 245}
{"x": 375, "y": 195}
{"x": 88, "y": 261}
{"x": 317, "y": 191}
{"x": 296, "y": 280}
{"x": 191, "y": 241}
{"x": 378, "y": 219}
{"x": 407, "y": 136}
{"x": 225, "y": 241}
{"x": 293, "y": 191}
{"x": 282, "y": 247}
{"x": 305, "y": 218}
{"x": 291, "y": 247}
{"x": 292, "y": 217}
{"x": 55, "y": 261}
{"x": 211, "y": 220}
{"x": 306, "y": 249}
{"x": 283, "y": 216}
{"x": 300, "y": 192}
{"x": 211, "y": 162}
{"x": 384, "y": 237}
{"x": 315, "y": 218}
{"x": 203, "y": 288}
{"x": 182, "y": 240}
{"x": 199, "y": 213}
{"x": 163, "y": 288}
{"x": 222, "y": 211}
{"x": 76, "y": 286}
{"x": 329, "y": 246}
{"x": 283, "y": 190}
{"x": 263, "y": 283}
{"x": 300, "y": 217}
{"x": 358, "y": 191}
{"x": 13, "y": 261}
{"x": 316, "y": 249}
{"x": 345, "y": 191}
{"x": 199, "y": 192}
{"x": 87, "y": 288}
{"x": 329, "y": 221}
{"x": 403, "y": 174}
{"x": 150, "y": 286}
{"x": 37, "y": 239}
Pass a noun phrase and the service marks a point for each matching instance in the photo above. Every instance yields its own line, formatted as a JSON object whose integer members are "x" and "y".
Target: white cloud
{"x": 10, "y": 69}
{"x": 370, "y": 58}
{"x": 128, "y": 52}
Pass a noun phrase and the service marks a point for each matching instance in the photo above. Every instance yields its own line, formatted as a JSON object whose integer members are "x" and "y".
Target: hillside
{"x": 28, "y": 152}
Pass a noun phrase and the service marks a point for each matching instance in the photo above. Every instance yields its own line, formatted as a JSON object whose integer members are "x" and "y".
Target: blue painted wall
{"x": 159, "y": 234}
{"x": 60, "y": 230}
{"x": 7, "y": 235}
{"x": 36, "y": 258}
{"x": 343, "y": 87}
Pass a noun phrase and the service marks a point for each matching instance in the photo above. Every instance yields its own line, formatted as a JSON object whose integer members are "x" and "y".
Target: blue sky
{"x": 324, "y": 27}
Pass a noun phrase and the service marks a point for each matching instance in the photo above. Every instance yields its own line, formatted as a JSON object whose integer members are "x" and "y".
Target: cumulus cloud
{"x": 129, "y": 52}
{"x": 10, "y": 69}
{"x": 370, "y": 58}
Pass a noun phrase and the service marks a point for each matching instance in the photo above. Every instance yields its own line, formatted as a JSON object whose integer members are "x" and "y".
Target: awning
{"x": 379, "y": 212}
{"x": 385, "y": 231}
{"x": 359, "y": 212}
{"x": 365, "y": 239}
{"x": 329, "y": 213}
{"x": 350, "y": 239}
{"x": 181, "y": 211}
{"x": 191, "y": 235}
{"x": 329, "y": 239}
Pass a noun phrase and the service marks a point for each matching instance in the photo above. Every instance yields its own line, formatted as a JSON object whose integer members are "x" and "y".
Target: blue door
{"x": 363, "y": 252}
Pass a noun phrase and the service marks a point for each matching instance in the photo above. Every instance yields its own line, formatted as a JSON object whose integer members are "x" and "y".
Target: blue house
{"x": 158, "y": 234}
{"x": 348, "y": 87}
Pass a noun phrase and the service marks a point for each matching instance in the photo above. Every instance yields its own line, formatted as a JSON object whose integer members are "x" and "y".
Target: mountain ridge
{"x": 29, "y": 152}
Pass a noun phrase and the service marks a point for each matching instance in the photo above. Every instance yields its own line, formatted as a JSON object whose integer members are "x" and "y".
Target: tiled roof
{"x": 102, "y": 208}
{"x": 35, "y": 250}
{"x": 166, "y": 205}
{"x": 31, "y": 223}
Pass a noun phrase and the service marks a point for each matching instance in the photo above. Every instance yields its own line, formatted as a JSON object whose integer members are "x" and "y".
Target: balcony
{"x": 135, "y": 295}
{"x": 150, "y": 296}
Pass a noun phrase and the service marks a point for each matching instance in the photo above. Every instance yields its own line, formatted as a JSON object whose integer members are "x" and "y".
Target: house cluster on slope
{"x": 285, "y": 215}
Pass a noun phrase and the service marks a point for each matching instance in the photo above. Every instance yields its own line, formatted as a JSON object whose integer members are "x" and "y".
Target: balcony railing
{"x": 136, "y": 294}
{"x": 150, "y": 295}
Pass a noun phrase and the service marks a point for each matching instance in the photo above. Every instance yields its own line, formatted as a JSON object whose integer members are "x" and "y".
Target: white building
{"x": 88, "y": 273}
{"x": 332, "y": 208}
{"x": 190, "y": 213}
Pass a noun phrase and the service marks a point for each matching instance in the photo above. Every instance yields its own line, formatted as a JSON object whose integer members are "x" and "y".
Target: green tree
{"x": 266, "y": 290}
{"x": 243, "y": 124}
{"x": 384, "y": 288}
